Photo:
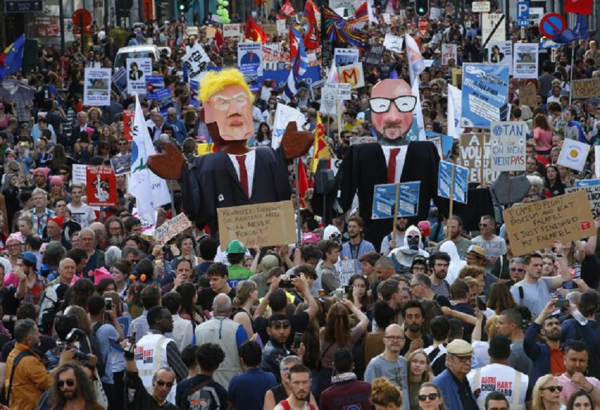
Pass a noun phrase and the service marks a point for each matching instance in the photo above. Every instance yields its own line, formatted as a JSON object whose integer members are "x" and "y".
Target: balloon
{"x": 225, "y": 3}
{"x": 226, "y": 20}
{"x": 219, "y": 2}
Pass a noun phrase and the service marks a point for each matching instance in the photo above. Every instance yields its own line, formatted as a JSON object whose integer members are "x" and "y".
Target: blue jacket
{"x": 449, "y": 390}
{"x": 539, "y": 353}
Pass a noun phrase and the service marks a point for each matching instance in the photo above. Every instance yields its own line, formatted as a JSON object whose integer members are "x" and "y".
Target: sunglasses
{"x": 517, "y": 270}
{"x": 68, "y": 382}
{"x": 277, "y": 324}
{"x": 553, "y": 388}
{"x": 163, "y": 383}
{"x": 430, "y": 396}
{"x": 483, "y": 225}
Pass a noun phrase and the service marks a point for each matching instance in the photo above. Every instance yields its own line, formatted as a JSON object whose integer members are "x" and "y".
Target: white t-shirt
{"x": 502, "y": 378}
{"x": 83, "y": 215}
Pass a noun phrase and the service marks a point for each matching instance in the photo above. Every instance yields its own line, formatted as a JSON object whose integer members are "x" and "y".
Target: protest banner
{"x": 526, "y": 60}
{"x": 508, "y": 146}
{"x": 532, "y": 227}
{"x": 281, "y": 28}
{"x": 375, "y": 54}
{"x": 448, "y": 52}
{"x": 345, "y": 56}
{"x": 528, "y": 94}
{"x": 101, "y": 186}
{"x": 96, "y": 90}
{"x": 393, "y": 43}
{"x": 231, "y": 30}
{"x": 475, "y": 155}
{"x": 484, "y": 94}
{"x": 353, "y": 75}
{"x": 587, "y": 88}
{"x": 196, "y": 61}
{"x": 267, "y": 224}
{"x": 79, "y": 174}
{"x": 457, "y": 187}
{"x": 171, "y": 228}
{"x": 128, "y": 124}
{"x": 250, "y": 56}
{"x": 329, "y": 99}
{"x": 573, "y": 154}
{"x": 121, "y": 164}
{"x": 504, "y": 53}
{"x": 283, "y": 115}
{"x": 205, "y": 148}
{"x": 384, "y": 200}
{"x": 137, "y": 70}
{"x": 593, "y": 193}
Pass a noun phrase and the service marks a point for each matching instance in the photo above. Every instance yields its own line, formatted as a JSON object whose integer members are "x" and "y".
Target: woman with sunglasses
{"x": 430, "y": 397}
{"x": 546, "y": 393}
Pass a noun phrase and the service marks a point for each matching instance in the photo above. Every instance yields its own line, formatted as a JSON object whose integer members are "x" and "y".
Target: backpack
{"x": 50, "y": 304}
{"x": 286, "y": 405}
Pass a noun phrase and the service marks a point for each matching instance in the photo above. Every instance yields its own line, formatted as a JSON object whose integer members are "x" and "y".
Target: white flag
{"x": 454, "y": 110}
{"x": 416, "y": 62}
{"x": 283, "y": 115}
{"x": 418, "y": 113}
{"x": 149, "y": 190}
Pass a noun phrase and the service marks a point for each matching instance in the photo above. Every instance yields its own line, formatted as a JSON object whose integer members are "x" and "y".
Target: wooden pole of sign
{"x": 298, "y": 225}
{"x": 339, "y": 117}
{"x": 395, "y": 208}
{"x": 449, "y": 226}
{"x": 482, "y": 161}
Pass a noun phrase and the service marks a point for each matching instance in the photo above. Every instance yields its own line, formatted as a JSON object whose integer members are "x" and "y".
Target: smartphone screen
{"x": 297, "y": 340}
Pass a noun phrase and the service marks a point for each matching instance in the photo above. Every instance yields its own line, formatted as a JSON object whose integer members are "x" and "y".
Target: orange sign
{"x": 352, "y": 74}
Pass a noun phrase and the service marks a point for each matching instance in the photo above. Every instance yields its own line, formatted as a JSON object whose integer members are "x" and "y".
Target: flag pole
{"x": 572, "y": 69}
{"x": 395, "y": 208}
{"x": 298, "y": 224}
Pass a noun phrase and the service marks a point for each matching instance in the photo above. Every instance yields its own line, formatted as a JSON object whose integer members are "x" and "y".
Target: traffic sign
{"x": 23, "y": 6}
{"x": 523, "y": 14}
{"x": 552, "y": 24}
{"x": 423, "y": 25}
{"x": 82, "y": 17}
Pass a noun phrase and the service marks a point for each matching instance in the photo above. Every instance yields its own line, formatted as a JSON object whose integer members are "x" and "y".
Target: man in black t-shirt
{"x": 218, "y": 276}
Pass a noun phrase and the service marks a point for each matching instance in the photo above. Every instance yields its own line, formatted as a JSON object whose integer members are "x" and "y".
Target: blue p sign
{"x": 522, "y": 10}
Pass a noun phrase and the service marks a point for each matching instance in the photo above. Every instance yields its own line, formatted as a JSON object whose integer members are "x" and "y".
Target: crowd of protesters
{"x": 95, "y": 314}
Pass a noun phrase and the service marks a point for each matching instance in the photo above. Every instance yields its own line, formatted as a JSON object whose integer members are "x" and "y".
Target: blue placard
{"x": 313, "y": 74}
{"x": 522, "y": 14}
{"x": 385, "y": 195}
{"x": 587, "y": 182}
{"x": 484, "y": 95}
{"x": 461, "y": 180}
{"x": 447, "y": 142}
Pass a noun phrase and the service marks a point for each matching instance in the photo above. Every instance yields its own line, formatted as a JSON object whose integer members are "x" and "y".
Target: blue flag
{"x": 580, "y": 31}
{"x": 13, "y": 58}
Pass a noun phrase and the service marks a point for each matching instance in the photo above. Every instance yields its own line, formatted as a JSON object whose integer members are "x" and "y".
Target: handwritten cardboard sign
{"x": 532, "y": 227}
{"x": 268, "y": 224}
{"x": 475, "y": 155}
{"x": 587, "y": 88}
{"x": 528, "y": 94}
{"x": 171, "y": 228}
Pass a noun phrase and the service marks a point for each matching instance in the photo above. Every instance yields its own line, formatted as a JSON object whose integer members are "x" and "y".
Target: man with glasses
{"x": 453, "y": 383}
{"x": 72, "y": 389}
{"x": 154, "y": 350}
{"x": 421, "y": 288}
{"x": 390, "y": 364}
{"x": 493, "y": 245}
{"x": 390, "y": 161}
{"x": 279, "y": 330}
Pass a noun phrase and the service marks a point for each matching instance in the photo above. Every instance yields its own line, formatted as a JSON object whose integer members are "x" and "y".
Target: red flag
{"x": 254, "y": 32}
{"x": 312, "y": 37}
{"x": 288, "y": 9}
{"x": 219, "y": 41}
{"x": 579, "y": 6}
{"x": 303, "y": 184}
{"x": 294, "y": 42}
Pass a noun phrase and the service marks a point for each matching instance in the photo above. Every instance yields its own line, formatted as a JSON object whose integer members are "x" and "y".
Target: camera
{"x": 75, "y": 335}
{"x": 287, "y": 283}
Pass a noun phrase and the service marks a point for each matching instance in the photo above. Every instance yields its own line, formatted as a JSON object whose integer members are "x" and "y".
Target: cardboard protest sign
{"x": 393, "y": 43}
{"x": 448, "y": 52}
{"x": 353, "y": 75}
{"x": 101, "y": 186}
{"x": 593, "y": 193}
{"x": 384, "y": 200}
{"x": 532, "y": 227}
{"x": 461, "y": 182}
{"x": 137, "y": 70}
{"x": 96, "y": 90}
{"x": 508, "y": 146}
{"x": 484, "y": 94}
{"x": 528, "y": 94}
{"x": 211, "y": 32}
{"x": 475, "y": 155}
{"x": 171, "y": 228}
{"x": 573, "y": 154}
{"x": 587, "y": 88}
{"x": 267, "y": 224}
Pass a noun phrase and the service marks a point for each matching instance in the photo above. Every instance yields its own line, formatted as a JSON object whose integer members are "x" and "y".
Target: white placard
{"x": 79, "y": 174}
{"x": 481, "y": 7}
{"x": 353, "y": 75}
{"x": 97, "y": 87}
{"x": 448, "y": 52}
{"x": 344, "y": 91}
{"x": 525, "y": 63}
{"x": 393, "y": 43}
{"x": 507, "y": 143}
{"x": 196, "y": 60}
{"x": 573, "y": 154}
{"x": 345, "y": 56}
{"x": 137, "y": 70}
{"x": 281, "y": 29}
{"x": 329, "y": 99}
{"x": 597, "y": 161}
{"x": 489, "y": 23}
{"x": 231, "y": 30}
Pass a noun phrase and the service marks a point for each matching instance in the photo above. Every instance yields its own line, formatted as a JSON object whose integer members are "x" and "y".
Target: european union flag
{"x": 579, "y": 31}
{"x": 13, "y": 58}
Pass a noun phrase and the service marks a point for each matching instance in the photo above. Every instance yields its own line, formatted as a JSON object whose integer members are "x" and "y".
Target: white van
{"x": 139, "y": 51}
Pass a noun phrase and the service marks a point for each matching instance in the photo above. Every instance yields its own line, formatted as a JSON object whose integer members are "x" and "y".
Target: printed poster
{"x": 484, "y": 94}
{"x": 345, "y": 56}
{"x": 461, "y": 182}
{"x": 526, "y": 60}
{"x": 137, "y": 70}
{"x": 250, "y": 57}
{"x": 501, "y": 52}
{"x": 384, "y": 200}
{"x": 573, "y": 154}
{"x": 101, "y": 186}
{"x": 96, "y": 89}
{"x": 448, "y": 52}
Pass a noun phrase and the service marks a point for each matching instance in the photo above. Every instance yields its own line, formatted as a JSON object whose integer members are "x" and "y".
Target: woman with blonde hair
{"x": 546, "y": 393}
{"x": 430, "y": 397}
{"x": 246, "y": 296}
{"x": 384, "y": 395}
{"x": 419, "y": 372}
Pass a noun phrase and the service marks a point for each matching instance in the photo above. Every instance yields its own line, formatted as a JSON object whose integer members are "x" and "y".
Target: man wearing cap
{"x": 390, "y": 364}
{"x": 40, "y": 214}
{"x": 453, "y": 382}
{"x": 236, "y": 253}
{"x": 475, "y": 256}
{"x": 267, "y": 263}
{"x": 54, "y": 232}
{"x": 31, "y": 286}
{"x": 499, "y": 376}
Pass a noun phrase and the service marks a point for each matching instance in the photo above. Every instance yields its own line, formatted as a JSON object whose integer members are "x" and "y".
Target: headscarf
{"x": 7, "y": 179}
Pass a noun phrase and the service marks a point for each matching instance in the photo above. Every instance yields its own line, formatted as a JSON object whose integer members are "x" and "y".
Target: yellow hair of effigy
{"x": 215, "y": 81}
